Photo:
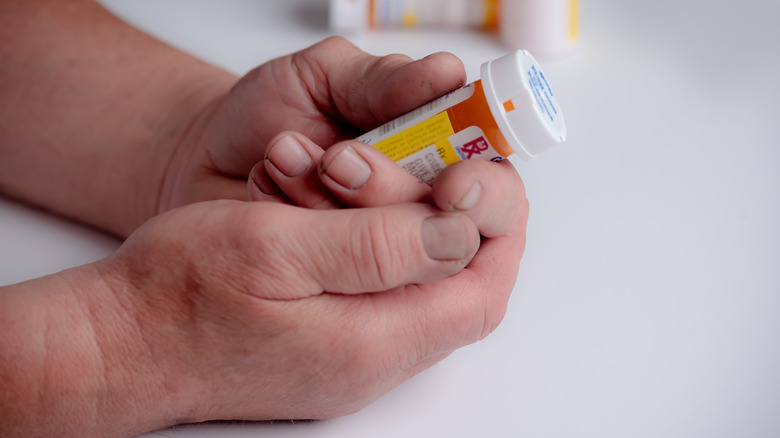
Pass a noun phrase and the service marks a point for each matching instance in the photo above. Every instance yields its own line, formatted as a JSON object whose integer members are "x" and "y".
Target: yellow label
{"x": 417, "y": 137}
{"x": 446, "y": 151}
{"x": 457, "y": 126}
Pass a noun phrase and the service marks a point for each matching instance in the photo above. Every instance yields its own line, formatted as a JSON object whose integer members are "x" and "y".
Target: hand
{"x": 276, "y": 311}
{"x": 329, "y": 92}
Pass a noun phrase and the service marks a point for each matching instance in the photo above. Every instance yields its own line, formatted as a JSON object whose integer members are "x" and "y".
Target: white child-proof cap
{"x": 523, "y": 103}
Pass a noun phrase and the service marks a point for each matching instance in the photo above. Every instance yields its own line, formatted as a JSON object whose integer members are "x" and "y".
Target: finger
{"x": 291, "y": 163}
{"x": 262, "y": 188}
{"x": 491, "y": 194}
{"x": 368, "y": 90}
{"x": 361, "y": 176}
{"x": 301, "y": 252}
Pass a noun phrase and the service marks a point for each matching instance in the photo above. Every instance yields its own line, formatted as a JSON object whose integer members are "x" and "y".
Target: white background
{"x": 647, "y": 303}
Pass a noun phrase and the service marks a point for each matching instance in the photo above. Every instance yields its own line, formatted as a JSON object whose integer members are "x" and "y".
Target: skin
{"x": 343, "y": 276}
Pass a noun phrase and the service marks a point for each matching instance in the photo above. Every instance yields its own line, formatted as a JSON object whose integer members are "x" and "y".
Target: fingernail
{"x": 348, "y": 169}
{"x": 447, "y": 238}
{"x": 289, "y": 157}
{"x": 262, "y": 180}
{"x": 471, "y": 198}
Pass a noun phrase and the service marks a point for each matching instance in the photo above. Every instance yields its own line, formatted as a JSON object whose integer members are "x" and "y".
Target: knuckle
{"x": 378, "y": 251}
{"x": 333, "y": 43}
{"x": 390, "y": 61}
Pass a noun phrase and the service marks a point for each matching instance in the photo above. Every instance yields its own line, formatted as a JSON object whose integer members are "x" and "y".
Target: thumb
{"x": 362, "y": 250}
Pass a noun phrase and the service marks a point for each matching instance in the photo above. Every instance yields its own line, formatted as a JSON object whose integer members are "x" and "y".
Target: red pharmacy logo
{"x": 476, "y": 146}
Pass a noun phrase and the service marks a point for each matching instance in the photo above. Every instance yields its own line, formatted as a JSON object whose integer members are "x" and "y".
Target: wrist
{"x": 96, "y": 105}
{"x": 176, "y": 153}
{"x": 170, "y": 149}
{"x": 73, "y": 363}
{"x": 150, "y": 344}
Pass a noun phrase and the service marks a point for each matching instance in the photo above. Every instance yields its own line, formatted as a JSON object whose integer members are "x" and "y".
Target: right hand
{"x": 265, "y": 310}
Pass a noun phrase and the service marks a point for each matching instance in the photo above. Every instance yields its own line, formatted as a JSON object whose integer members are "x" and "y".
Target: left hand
{"x": 329, "y": 92}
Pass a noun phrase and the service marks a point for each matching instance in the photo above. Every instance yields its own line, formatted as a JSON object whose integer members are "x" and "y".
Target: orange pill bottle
{"x": 511, "y": 109}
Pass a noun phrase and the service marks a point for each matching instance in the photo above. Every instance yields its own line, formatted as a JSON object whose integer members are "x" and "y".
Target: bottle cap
{"x": 523, "y": 103}
{"x": 348, "y": 15}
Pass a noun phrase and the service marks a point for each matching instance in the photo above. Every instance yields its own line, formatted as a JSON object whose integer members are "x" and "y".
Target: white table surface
{"x": 648, "y": 301}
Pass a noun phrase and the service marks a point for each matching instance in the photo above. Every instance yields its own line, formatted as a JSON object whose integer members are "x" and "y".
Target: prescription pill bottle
{"x": 511, "y": 109}
{"x": 357, "y": 15}
{"x": 542, "y": 26}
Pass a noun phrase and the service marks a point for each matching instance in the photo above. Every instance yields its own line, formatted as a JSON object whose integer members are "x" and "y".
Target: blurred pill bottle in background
{"x": 358, "y": 15}
{"x": 541, "y": 26}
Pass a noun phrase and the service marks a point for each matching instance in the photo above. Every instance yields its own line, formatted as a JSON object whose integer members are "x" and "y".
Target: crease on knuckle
{"x": 377, "y": 253}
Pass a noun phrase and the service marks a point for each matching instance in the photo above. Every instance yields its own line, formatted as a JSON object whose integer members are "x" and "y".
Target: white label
{"x": 425, "y": 164}
{"x": 543, "y": 94}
